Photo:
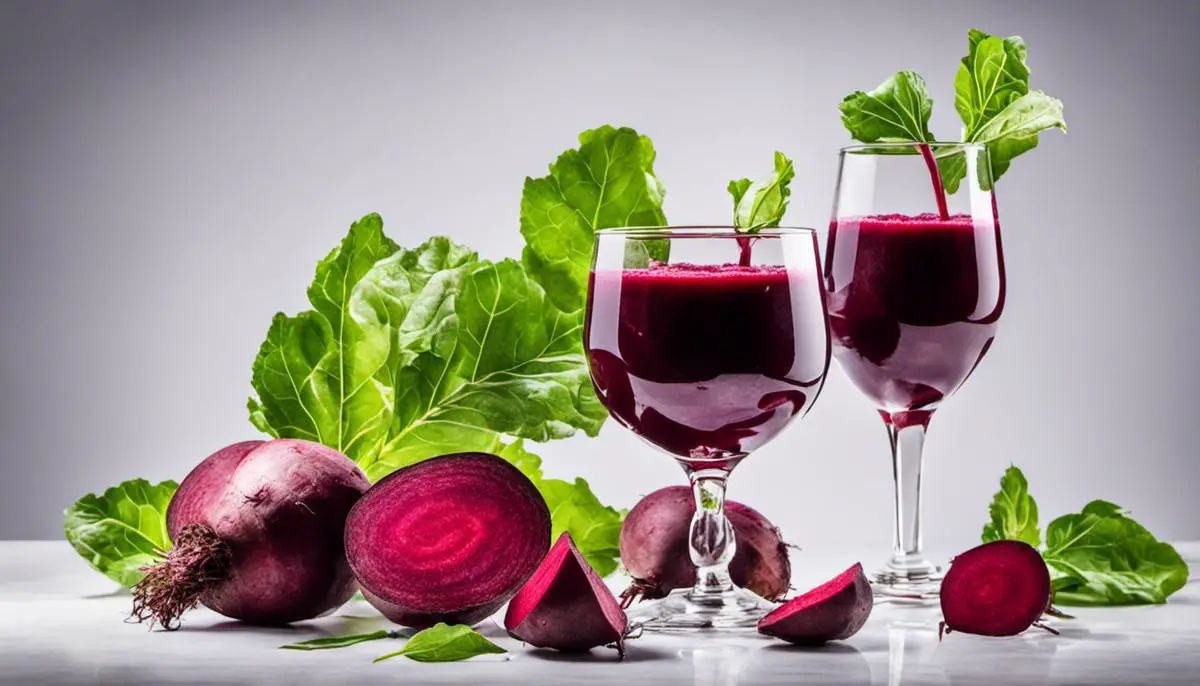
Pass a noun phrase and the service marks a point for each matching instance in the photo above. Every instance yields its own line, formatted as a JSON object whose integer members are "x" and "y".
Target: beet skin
{"x": 835, "y": 610}
{"x": 450, "y": 539}
{"x": 566, "y": 606}
{"x": 654, "y": 547}
{"x": 257, "y": 530}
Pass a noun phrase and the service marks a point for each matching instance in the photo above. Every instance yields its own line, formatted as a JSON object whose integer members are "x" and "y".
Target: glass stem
{"x": 907, "y": 433}
{"x": 711, "y": 541}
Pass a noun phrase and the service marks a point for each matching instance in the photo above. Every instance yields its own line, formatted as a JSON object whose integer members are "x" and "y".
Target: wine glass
{"x": 706, "y": 343}
{"x": 915, "y": 281}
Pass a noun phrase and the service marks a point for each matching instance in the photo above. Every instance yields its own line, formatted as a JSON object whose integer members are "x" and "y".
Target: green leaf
{"x": 607, "y": 182}
{"x": 516, "y": 367}
{"x": 594, "y": 527}
{"x": 992, "y": 75}
{"x": 122, "y": 530}
{"x": 952, "y": 168}
{"x": 1103, "y": 557}
{"x": 433, "y": 352}
{"x": 339, "y": 641}
{"x": 898, "y": 110}
{"x": 313, "y": 374}
{"x": 1015, "y": 129}
{"x": 997, "y": 108}
{"x": 409, "y": 354}
{"x": 1013, "y": 511}
{"x": 762, "y": 204}
{"x": 445, "y": 643}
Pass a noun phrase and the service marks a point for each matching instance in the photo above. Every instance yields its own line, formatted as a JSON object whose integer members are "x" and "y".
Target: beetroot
{"x": 257, "y": 531}
{"x": 1000, "y": 588}
{"x": 566, "y": 606}
{"x": 654, "y": 548}
{"x": 835, "y": 610}
{"x": 449, "y": 539}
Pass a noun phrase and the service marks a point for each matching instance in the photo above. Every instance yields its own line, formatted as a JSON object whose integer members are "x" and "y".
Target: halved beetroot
{"x": 999, "y": 588}
{"x": 450, "y": 539}
{"x": 566, "y": 606}
{"x": 834, "y": 610}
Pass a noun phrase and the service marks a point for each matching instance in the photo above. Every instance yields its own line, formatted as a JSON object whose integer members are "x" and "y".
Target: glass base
{"x": 683, "y": 610}
{"x": 910, "y": 580}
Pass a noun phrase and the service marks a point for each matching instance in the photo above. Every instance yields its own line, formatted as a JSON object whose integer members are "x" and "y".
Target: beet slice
{"x": 999, "y": 588}
{"x": 654, "y": 547}
{"x": 258, "y": 536}
{"x": 835, "y": 610}
{"x": 450, "y": 539}
{"x": 566, "y": 605}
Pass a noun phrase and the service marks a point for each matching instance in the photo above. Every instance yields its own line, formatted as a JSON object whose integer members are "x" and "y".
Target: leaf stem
{"x": 939, "y": 192}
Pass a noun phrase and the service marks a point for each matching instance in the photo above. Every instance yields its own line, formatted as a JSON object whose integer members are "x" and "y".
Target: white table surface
{"x": 61, "y": 623}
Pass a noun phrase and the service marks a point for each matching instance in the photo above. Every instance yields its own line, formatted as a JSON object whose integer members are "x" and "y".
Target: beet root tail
{"x": 199, "y": 560}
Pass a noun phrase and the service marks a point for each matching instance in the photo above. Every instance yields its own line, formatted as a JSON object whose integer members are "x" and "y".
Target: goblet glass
{"x": 915, "y": 280}
{"x": 706, "y": 343}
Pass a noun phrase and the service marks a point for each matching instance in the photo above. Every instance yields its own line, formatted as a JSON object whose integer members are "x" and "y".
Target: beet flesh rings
{"x": 996, "y": 589}
{"x": 450, "y": 539}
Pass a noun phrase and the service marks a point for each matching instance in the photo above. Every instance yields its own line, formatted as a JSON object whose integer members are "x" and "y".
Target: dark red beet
{"x": 654, "y": 547}
{"x": 449, "y": 539}
{"x": 835, "y": 610}
{"x": 1000, "y": 588}
{"x": 566, "y": 606}
{"x": 257, "y": 531}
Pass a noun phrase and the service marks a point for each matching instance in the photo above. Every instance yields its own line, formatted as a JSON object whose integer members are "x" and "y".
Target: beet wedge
{"x": 566, "y": 606}
{"x": 999, "y": 588}
{"x": 449, "y": 539}
{"x": 835, "y": 610}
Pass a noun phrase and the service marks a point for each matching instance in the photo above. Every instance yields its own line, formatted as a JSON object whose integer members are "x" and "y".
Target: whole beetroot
{"x": 257, "y": 530}
{"x": 654, "y": 548}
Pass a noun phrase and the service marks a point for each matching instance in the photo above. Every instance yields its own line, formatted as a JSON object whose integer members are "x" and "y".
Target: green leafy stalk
{"x": 414, "y": 353}
{"x": 122, "y": 530}
{"x": 608, "y": 181}
{"x": 445, "y": 643}
{"x": 762, "y": 204}
{"x": 409, "y": 354}
{"x": 1099, "y": 556}
{"x": 992, "y": 96}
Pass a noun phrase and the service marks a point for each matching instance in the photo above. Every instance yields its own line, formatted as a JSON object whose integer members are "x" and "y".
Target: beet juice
{"x": 706, "y": 361}
{"x": 913, "y": 303}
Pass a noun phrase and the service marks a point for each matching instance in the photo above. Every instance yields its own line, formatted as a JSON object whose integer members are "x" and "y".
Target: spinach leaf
{"x": 445, "y": 643}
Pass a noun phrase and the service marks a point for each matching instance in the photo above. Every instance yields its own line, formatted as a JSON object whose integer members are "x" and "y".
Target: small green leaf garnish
{"x": 762, "y": 204}
{"x": 445, "y": 643}
{"x": 897, "y": 111}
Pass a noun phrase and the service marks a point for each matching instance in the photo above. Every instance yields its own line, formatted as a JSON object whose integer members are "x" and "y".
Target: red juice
{"x": 706, "y": 362}
{"x": 914, "y": 303}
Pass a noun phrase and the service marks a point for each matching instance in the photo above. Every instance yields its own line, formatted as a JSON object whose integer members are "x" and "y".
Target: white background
{"x": 170, "y": 175}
